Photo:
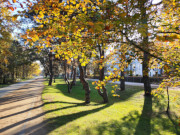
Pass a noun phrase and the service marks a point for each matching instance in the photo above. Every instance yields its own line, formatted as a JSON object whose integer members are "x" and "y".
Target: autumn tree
{"x": 5, "y": 38}
{"x": 167, "y": 43}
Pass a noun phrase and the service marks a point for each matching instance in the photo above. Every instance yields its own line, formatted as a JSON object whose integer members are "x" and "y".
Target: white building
{"x": 135, "y": 69}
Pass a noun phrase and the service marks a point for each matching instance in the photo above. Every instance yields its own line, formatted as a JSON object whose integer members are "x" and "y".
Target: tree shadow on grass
{"x": 53, "y": 123}
{"x": 128, "y": 126}
{"x": 135, "y": 123}
{"x": 144, "y": 124}
{"x": 56, "y": 122}
{"x": 79, "y": 93}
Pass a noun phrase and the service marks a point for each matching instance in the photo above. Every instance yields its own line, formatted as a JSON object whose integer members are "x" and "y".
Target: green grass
{"x": 25, "y": 79}
{"x": 21, "y": 80}
{"x": 128, "y": 115}
{"x": 4, "y": 85}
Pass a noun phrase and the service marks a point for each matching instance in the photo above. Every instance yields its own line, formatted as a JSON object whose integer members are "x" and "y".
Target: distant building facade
{"x": 135, "y": 69}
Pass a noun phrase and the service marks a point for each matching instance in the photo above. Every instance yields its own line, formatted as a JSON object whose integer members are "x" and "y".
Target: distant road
{"x": 129, "y": 83}
{"x": 154, "y": 86}
{"x": 21, "y": 110}
{"x": 16, "y": 86}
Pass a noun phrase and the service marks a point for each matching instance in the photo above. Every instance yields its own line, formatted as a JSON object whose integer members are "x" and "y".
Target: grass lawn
{"x": 21, "y": 80}
{"x": 128, "y": 115}
{"x": 4, "y": 85}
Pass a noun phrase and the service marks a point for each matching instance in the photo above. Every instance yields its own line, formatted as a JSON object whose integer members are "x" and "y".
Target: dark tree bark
{"x": 16, "y": 72}
{"x": 85, "y": 67}
{"x": 46, "y": 75}
{"x": 12, "y": 75}
{"x": 85, "y": 85}
{"x": 72, "y": 71}
{"x": 122, "y": 85}
{"x": 147, "y": 85}
{"x": 65, "y": 76}
{"x": 50, "y": 68}
{"x": 145, "y": 43}
{"x": 4, "y": 79}
{"x": 94, "y": 73}
{"x": 102, "y": 93}
{"x": 26, "y": 72}
{"x": 23, "y": 75}
{"x": 54, "y": 79}
{"x": 68, "y": 75}
{"x": 167, "y": 111}
{"x": 73, "y": 74}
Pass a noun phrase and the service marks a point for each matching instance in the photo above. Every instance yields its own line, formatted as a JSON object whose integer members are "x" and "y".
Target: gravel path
{"x": 21, "y": 110}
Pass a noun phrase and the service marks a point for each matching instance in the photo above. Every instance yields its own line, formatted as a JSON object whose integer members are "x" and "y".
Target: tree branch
{"x": 140, "y": 48}
{"x": 170, "y": 32}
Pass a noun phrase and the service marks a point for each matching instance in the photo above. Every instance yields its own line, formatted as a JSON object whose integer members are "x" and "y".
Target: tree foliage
{"x": 133, "y": 29}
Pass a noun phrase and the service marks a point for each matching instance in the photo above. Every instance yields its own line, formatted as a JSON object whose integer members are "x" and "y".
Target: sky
{"x": 156, "y": 1}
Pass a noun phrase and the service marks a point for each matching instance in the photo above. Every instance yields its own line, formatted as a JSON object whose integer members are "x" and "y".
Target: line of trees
{"x": 75, "y": 33}
{"x": 19, "y": 64}
{"x": 16, "y": 59}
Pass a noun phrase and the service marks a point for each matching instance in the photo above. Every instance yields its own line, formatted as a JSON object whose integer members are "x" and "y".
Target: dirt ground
{"x": 21, "y": 111}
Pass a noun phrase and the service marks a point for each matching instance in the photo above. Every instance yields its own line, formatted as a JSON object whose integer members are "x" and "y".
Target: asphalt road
{"x": 130, "y": 83}
{"x": 13, "y": 87}
{"x": 21, "y": 110}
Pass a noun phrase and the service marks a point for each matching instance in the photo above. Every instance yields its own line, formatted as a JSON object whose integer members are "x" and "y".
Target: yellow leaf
{"x": 69, "y": 61}
{"x": 71, "y": 11}
{"x": 91, "y": 23}
{"x": 83, "y": 64}
{"x": 94, "y": 8}
{"x": 57, "y": 56}
{"x": 14, "y": 18}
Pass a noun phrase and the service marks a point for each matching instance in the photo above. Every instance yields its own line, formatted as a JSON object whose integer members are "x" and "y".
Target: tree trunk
{"x": 54, "y": 79}
{"x": 72, "y": 71}
{"x": 122, "y": 85}
{"x": 12, "y": 76}
{"x": 26, "y": 71}
{"x": 16, "y": 72}
{"x": 4, "y": 79}
{"x": 85, "y": 67}
{"x": 23, "y": 75}
{"x": 68, "y": 75}
{"x": 65, "y": 76}
{"x": 73, "y": 83}
{"x": 167, "y": 111}
{"x": 85, "y": 85}
{"x": 145, "y": 43}
{"x": 147, "y": 85}
{"x": 50, "y": 68}
{"x": 74, "y": 76}
{"x": 102, "y": 93}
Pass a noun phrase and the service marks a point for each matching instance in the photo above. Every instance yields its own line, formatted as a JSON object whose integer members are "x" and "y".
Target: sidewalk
{"x": 128, "y": 83}
{"x": 16, "y": 86}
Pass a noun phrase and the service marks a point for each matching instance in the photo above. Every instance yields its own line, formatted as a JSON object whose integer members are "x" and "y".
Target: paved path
{"x": 154, "y": 86}
{"x": 16, "y": 86}
{"x": 129, "y": 83}
{"x": 21, "y": 109}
